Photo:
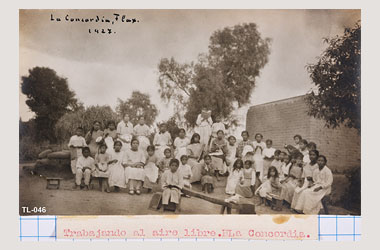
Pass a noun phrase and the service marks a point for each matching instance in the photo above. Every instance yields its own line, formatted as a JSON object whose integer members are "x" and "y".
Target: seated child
{"x": 101, "y": 167}
{"x": 185, "y": 170}
{"x": 207, "y": 172}
{"x": 85, "y": 166}
{"x": 150, "y": 169}
{"x": 76, "y": 143}
{"x": 235, "y": 176}
{"x": 271, "y": 186}
{"x": 246, "y": 187}
{"x": 172, "y": 184}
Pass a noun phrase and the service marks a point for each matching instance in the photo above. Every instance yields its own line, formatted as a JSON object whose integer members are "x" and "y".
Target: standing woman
{"x": 204, "y": 123}
{"x": 194, "y": 154}
{"x": 91, "y": 137}
{"x": 134, "y": 162}
{"x": 124, "y": 132}
{"x": 142, "y": 132}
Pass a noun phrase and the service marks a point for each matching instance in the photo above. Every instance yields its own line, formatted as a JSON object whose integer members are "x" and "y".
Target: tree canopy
{"x": 225, "y": 76}
{"x": 137, "y": 105}
{"x": 83, "y": 117}
{"x": 49, "y": 97}
{"x": 337, "y": 78}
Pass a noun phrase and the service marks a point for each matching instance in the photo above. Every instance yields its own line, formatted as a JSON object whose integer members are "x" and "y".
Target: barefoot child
{"x": 172, "y": 184}
{"x": 185, "y": 170}
{"x": 102, "y": 171}
{"x": 207, "y": 172}
{"x": 150, "y": 169}
{"x": 85, "y": 166}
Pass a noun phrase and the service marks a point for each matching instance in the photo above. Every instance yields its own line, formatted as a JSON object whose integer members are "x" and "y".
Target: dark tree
{"x": 49, "y": 97}
{"x": 137, "y": 105}
{"x": 337, "y": 78}
{"x": 220, "y": 80}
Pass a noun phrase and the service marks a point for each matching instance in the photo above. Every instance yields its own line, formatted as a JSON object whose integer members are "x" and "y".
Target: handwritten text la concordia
{"x": 116, "y": 18}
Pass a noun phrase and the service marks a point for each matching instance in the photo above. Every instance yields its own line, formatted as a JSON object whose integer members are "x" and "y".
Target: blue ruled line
{"x": 20, "y": 228}
{"x": 354, "y": 228}
{"x": 38, "y": 227}
{"x": 336, "y": 228}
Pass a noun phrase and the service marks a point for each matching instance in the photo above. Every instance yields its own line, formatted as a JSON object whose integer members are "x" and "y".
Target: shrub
{"x": 352, "y": 195}
{"x": 29, "y": 148}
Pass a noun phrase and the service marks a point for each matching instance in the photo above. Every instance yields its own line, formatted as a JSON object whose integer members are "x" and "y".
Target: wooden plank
{"x": 209, "y": 198}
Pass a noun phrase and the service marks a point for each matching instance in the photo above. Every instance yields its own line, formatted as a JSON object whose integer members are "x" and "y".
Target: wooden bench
{"x": 53, "y": 182}
{"x": 242, "y": 208}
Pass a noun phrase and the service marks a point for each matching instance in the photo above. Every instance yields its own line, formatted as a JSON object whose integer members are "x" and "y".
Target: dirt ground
{"x": 65, "y": 201}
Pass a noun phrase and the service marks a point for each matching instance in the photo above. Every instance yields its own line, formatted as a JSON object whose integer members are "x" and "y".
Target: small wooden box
{"x": 276, "y": 202}
{"x": 53, "y": 182}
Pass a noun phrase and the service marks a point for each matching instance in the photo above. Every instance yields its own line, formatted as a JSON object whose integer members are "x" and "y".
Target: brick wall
{"x": 282, "y": 119}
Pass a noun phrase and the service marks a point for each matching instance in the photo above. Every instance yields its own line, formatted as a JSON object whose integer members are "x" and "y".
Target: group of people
{"x": 123, "y": 156}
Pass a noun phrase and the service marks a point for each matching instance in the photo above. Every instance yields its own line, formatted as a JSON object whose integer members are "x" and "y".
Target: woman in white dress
{"x": 162, "y": 140}
{"x": 204, "y": 123}
{"x": 116, "y": 177}
{"x": 134, "y": 167}
{"x": 142, "y": 132}
{"x": 309, "y": 201}
{"x": 124, "y": 132}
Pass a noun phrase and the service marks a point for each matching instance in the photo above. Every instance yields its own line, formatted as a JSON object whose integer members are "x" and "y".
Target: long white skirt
{"x": 134, "y": 174}
{"x": 151, "y": 171}
{"x": 309, "y": 202}
{"x": 116, "y": 175}
{"x": 232, "y": 181}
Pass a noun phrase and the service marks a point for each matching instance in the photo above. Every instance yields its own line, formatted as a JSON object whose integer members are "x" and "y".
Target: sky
{"x": 103, "y": 67}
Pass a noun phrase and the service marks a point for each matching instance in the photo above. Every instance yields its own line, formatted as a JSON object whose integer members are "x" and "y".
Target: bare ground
{"x": 65, "y": 201}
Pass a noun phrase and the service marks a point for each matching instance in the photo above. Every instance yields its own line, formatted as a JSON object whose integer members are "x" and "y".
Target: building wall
{"x": 281, "y": 120}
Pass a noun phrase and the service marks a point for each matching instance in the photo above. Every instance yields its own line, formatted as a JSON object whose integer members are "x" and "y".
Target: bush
{"x": 29, "y": 149}
{"x": 352, "y": 196}
{"x": 84, "y": 118}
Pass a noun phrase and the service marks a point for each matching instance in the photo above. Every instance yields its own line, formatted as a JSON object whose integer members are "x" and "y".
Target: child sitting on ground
{"x": 85, "y": 166}
{"x": 207, "y": 172}
{"x": 185, "y": 170}
{"x": 101, "y": 167}
{"x": 172, "y": 184}
{"x": 150, "y": 169}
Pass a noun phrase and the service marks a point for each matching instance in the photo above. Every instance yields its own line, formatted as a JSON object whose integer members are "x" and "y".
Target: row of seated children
{"x": 289, "y": 177}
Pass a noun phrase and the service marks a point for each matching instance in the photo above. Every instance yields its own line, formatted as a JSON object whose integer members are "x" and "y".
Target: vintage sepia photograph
{"x": 149, "y": 112}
